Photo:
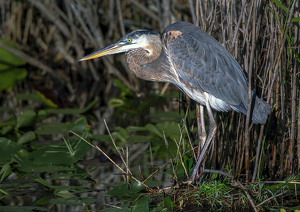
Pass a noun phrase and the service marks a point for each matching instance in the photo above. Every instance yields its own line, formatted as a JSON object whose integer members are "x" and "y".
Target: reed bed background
{"x": 51, "y": 36}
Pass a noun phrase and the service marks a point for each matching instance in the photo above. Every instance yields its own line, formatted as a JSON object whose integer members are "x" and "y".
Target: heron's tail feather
{"x": 260, "y": 110}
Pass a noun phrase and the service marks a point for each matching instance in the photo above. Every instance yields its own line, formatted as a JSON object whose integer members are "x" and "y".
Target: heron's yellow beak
{"x": 115, "y": 48}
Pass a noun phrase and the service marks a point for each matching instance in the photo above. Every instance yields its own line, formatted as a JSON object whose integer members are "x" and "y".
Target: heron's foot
{"x": 188, "y": 182}
{"x": 168, "y": 188}
{"x": 192, "y": 179}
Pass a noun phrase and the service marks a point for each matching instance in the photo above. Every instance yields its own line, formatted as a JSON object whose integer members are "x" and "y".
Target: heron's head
{"x": 136, "y": 39}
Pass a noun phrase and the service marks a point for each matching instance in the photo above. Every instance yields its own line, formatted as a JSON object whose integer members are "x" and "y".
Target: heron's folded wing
{"x": 202, "y": 62}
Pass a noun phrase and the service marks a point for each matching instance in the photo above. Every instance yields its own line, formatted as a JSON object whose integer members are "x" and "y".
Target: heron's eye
{"x": 129, "y": 40}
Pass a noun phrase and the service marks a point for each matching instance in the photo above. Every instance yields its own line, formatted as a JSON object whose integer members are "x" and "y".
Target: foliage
{"x": 44, "y": 90}
{"x": 211, "y": 194}
{"x": 12, "y": 68}
{"x": 24, "y": 155}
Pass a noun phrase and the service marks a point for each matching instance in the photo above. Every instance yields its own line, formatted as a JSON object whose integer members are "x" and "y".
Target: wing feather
{"x": 201, "y": 61}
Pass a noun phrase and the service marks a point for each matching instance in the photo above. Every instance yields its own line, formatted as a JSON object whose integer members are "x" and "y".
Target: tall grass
{"x": 262, "y": 35}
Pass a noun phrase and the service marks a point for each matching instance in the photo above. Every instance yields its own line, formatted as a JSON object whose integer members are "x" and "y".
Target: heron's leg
{"x": 201, "y": 129}
{"x": 211, "y": 134}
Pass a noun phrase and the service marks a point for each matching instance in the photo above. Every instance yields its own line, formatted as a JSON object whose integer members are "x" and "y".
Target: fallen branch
{"x": 267, "y": 200}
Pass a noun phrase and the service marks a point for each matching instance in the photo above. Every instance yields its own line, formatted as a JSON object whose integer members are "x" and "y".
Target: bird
{"x": 197, "y": 64}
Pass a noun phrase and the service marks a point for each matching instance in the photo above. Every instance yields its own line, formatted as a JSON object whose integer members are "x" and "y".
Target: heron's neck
{"x": 144, "y": 63}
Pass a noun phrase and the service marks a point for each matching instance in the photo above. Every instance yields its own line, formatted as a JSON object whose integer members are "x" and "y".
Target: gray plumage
{"x": 204, "y": 64}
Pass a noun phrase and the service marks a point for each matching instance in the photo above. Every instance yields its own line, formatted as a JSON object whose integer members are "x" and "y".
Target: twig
{"x": 84, "y": 27}
{"x": 282, "y": 42}
{"x": 258, "y": 146}
{"x": 145, "y": 10}
{"x": 238, "y": 24}
{"x": 150, "y": 175}
{"x": 250, "y": 96}
{"x": 113, "y": 141}
{"x": 267, "y": 200}
{"x": 52, "y": 17}
{"x": 99, "y": 149}
{"x": 120, "y": 17}
{"x": 127, "y": 162}
{"x": 191, "y": 3}
{"x": 180, "y": 155}
{"x": 277, "y": 182}
{"x": 170, "y": 158}
{"x": 190, "y": 142}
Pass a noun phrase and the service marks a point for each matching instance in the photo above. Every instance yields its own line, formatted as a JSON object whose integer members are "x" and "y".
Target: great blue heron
{"x": 197, "y": 64}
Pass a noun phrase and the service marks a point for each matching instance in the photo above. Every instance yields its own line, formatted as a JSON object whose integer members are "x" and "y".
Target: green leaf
{"x": 79, "y": 148}
{"x": 170, "y": 129}
{"x": 166, "y": 116}
{"x": 53, "y": 128}
{"x": 153, "y": 183}
{"x": 10, "y": 74}
{"x": 124, "y": 89}
{"x": 117, "y": 135}
{"x": 141, "y": 205}
{"x": 123, "y": 132}
{"x": 168, "y": 202}
{"x": 27, "y": 137}
{"x": 29, "y": 97}
{"x": 119, "y": 190}
{"x": 69, "y": 110}
{"x": 79, "y": 126}
{"x": 49, "y": 102}
{"x": 64, "y": 194}
{"x": 7, "y": 150}
{"x": 135, "y": 129}
{"x": 42, "y": 181}
{"x": 5, "y": 109}
{"x": 279, "y": 4}
{"x": 26, "y": 119}
{"x": 100, "y": 138}
{"x": 121, "y": 209}
{"x": 137, "y": 186}
{"x": 22, "y": 208}
{"x": 4, "y": 194}
{"x": 116, "y": 102}
{"x": 75, "y": 201}
{"x": 43, "y": 200}
{"x": 9, "y": 77}
{"x": 6, "y": 130}
{"x": 62, "y": 201}
{"x": 153, "y": 129}
{"x": 8, "y": 57}
{"x": 5, "y": 172}
{"x": 10, "y": 121}
{"x": 57, "y": 155}
{"x": 36, "y": 97}
{"x": 139, "y": 139}
{"x": 296, "y": 19}
{"x": 214, "y": 176}
{"x": 25, "y": 164}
